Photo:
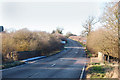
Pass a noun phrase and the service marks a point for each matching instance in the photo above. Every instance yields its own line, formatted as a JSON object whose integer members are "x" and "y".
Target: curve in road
{"x": 66, "y": 64}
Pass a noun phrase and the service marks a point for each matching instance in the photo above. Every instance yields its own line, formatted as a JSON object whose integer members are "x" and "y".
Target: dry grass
{"x": 101, "y": 71}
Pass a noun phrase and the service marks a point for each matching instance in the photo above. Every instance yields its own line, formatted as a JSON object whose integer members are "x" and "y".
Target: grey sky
{"x": 46, "y": 16}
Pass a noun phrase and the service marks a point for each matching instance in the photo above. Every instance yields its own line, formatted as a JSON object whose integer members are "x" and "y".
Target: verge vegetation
{"x": 23, "y": 44}
{"x": 105, "y": 41}
{"x": 99, "y": 71}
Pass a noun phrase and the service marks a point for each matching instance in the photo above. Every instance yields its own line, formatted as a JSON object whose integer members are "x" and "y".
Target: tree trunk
{"x": 108, "y": 58}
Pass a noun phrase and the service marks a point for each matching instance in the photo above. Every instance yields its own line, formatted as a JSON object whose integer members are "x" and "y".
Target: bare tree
{"x": 88, "y": 25}
{"x": 110, "y": 17}
{"x": 58, "y": 30}
{"x": 105, "y": 40}
{"x": 68, "y": 34}
{"x": 110, "y": 22}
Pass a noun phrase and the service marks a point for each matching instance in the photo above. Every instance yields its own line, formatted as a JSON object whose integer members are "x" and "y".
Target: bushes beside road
{"x": 22, "y": 42}
{"x": 105, "y": 39}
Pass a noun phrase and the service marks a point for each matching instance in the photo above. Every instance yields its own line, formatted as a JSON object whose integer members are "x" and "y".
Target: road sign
{"x": 1, "y": 28}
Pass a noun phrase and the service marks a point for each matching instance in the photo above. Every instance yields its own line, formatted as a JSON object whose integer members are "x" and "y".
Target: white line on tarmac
{"x": 12, "y": 67}
{"x": 53, "y": 64}
{"x": 61, "y": 60}
{"x": 76, "y": 52}
{"x": 35, "y": 58}
{"x": 81, "y": 76}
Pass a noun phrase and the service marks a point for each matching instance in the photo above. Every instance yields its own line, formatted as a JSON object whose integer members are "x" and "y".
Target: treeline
{"x": 105, "y": 39}
{"x": 24, "y": 40}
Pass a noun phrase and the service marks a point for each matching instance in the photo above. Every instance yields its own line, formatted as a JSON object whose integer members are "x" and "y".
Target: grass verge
{"x": 82, "y": 44}
{"x": 97, "y": 71}
{"x": 11, "y": 64}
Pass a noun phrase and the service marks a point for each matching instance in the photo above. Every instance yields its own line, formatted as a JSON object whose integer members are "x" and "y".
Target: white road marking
{"x": 25, "y": 60}
{"x": 31, "y": 62}
{"x": 12, "y": 67}
{"x": 53, "y": 64}
{"x": 76, "y": 52}
{"x": 81, "y": 76}
{"x": 61, "y": 60}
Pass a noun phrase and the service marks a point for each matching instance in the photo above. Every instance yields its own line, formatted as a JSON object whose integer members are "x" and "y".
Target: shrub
{"x": 25, "y": 40}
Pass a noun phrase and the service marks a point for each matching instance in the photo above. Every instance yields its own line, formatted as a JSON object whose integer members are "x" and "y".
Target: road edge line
{"x": 25, "y": 60}
{"x": 83, "y": 69}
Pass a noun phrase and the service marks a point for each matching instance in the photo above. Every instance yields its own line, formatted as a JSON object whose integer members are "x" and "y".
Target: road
{"x": 66, "y": 64}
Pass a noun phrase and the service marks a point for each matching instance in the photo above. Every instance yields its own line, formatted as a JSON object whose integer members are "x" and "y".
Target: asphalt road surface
{"x": 66, "y": 64}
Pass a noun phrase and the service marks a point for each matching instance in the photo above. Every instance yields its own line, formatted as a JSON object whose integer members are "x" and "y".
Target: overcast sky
{"x": 47, "y": 15}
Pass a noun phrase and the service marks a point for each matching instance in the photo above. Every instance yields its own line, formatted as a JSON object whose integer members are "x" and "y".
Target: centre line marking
{"x": 81, "y": 76}
{"x": 53, "y": 64}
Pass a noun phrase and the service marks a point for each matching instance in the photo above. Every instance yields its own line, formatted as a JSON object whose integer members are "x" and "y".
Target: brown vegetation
{"x": 14, "y": 44}
{"x": 105, "y": 39}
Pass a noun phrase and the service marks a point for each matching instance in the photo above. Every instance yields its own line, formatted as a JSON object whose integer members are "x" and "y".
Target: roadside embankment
{"x": 23, "y": 61}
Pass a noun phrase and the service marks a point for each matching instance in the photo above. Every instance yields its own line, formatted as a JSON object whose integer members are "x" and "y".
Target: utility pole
{"x": 1, "y": 29}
